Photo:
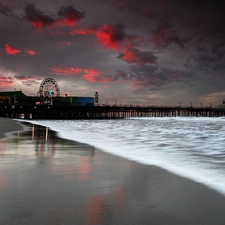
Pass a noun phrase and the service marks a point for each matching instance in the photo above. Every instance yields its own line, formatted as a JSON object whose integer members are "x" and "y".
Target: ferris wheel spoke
{"x": 49, "y": 87}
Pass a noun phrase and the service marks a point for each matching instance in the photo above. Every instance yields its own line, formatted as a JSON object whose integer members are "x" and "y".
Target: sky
{"x": 139, "y": 52}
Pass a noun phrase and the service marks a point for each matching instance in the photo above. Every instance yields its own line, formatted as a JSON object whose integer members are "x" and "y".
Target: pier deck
{"x": 104, "y": 112}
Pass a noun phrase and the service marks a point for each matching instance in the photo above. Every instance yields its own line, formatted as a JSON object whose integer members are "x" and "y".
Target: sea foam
{"x": 189, "y": 147}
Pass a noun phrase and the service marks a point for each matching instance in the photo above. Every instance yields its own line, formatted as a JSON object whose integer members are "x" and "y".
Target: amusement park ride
{"x": 49, "y": 88}
{"x": 49, "y": 91}
{"x": 48, "y": 94}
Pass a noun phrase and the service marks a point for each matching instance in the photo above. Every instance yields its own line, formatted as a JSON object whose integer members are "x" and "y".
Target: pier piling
{"x": 103, "y": 112}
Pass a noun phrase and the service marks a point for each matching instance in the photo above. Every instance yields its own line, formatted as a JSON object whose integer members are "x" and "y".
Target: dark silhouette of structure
{"x": 48, "y": 104}
{"x": 103, "y": 112}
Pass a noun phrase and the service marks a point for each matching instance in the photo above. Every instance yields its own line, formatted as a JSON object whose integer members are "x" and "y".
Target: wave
{"x": 189, "y": 147}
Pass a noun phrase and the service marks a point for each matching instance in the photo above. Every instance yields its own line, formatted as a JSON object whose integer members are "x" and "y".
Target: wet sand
{"x": 8, "y": 126}
{"x": 48, "y": 180}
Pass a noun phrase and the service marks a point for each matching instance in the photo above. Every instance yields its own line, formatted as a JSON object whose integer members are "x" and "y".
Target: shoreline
{"x": 9, "y": 126}
{"x": 120, "y": 190}
{"x": 141, "y": 163}
{"x": 195, "y": 177}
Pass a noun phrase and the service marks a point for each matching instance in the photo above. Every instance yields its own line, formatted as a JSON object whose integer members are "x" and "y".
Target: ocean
{"x": 193, "y": 148}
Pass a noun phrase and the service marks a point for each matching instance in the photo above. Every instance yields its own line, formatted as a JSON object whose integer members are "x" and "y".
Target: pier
{"x": 104, "y": 112}
{"x": 49, "y": 104}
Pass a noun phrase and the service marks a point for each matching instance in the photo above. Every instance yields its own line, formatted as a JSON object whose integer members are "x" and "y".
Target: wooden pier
{"x": 104, "y": 112}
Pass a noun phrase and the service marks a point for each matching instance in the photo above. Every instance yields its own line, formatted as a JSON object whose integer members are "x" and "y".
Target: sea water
{"x": 190, "y": 147}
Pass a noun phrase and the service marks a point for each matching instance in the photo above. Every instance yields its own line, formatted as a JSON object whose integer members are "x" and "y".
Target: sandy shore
{"x": 57, "y": 181}
{"x": 8, "y": 126}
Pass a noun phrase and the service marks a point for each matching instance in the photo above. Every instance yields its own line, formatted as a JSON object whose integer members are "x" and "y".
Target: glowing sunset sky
{"x": 155, "y": 52}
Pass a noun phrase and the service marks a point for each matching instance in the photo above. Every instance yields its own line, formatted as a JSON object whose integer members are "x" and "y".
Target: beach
{"x": 45, "y": 179}
{"x": 9, "y": 126}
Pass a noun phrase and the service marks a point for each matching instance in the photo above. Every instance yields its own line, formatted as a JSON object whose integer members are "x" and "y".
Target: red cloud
{"x": 67, "y": 15}
{"x": 6, "y": 81}
{"x": 70, "y": 15}
{"x": 38, "y": 24}
{"x": 32, "y": 52}
{"x": 68, "y": 21}
{"x": 36, "y": 17}
{"x": 66, "y": 70}
{"x": 11, "y": 50}
{"x": 110, "y": 36}
{"x": 94, "y": 75}
{"x": 133, "y": 55}
{"x": 79, "y": 31}
{"x": 65, "y": 43}
{"x": 129, "y": 55}
{"x": 135, "y": 84}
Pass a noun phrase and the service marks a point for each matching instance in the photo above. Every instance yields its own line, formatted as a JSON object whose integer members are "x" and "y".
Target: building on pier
{"x": 76, "y": 101}
{"x": 12, "y": 97}
{"x": 48, "y": 94}
{"x": 19, "y": 98}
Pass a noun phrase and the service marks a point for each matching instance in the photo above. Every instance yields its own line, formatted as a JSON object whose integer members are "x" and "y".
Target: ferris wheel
{"x": 49, "y": 88}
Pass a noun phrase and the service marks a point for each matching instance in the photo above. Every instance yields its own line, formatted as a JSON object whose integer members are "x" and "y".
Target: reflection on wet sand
{"x": 55, "y": 167}
{"x": 51, "y": 181}
{"x": 52, "y": 166}
{"x": 84, "y": 168}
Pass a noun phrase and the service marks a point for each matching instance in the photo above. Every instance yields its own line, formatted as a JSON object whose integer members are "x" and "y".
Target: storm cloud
{"x": 128, "y": 47}
{"x": 36, "y": 17}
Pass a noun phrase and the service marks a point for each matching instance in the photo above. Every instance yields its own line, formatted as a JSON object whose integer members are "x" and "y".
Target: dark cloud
{"x": 207, "y": 58}
{"x": 149, "y": 76}
{"x": 163, "y": 35}
{"x": 166, "y": 46}
{"x": 116, "y": 31}
{"x": 6, "y": 11}
{"x": 36, "y": 17}
{"x": 127, "y": 5}
{"x": 110, "y": 35}
{"x": 70, "y": 15}
{"x": 122, "y": 74}
{"x": 161, "y": 11}
{"x": 218, "y": 49}
{"x": 133, "y": 55}
{"x": 67, "y": 15}
{"x": 22, "y": 77}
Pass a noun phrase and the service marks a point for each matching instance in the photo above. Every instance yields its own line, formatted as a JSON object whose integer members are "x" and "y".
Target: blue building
{"x": 84, "y": 101}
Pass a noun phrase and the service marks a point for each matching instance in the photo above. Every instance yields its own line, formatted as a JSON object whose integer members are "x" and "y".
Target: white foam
{"x": 189, "y": 147}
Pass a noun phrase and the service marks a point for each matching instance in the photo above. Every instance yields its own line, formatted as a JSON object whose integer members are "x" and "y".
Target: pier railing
{"x": 104, "y": 112}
